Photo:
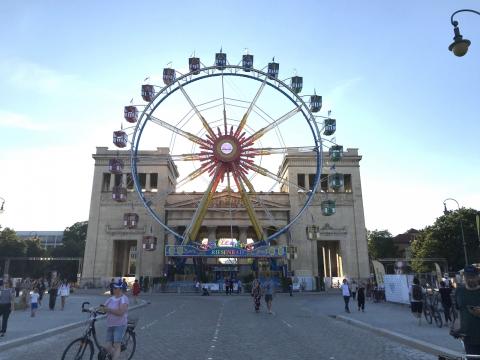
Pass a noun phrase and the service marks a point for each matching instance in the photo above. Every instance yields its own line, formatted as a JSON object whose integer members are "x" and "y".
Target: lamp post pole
{"x": 445, "y": 211}
{"x": 2, "y": 205}
{"x": 459, "y": 47}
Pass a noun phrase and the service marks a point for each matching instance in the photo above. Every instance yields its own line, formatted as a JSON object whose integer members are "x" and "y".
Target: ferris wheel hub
{"x": 227, "y": 149}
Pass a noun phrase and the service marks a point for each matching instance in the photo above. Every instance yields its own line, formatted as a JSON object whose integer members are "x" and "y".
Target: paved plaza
{"x": 220, "y": 327}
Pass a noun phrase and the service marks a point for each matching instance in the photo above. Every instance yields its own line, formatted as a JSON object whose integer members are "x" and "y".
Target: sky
{"x": 382, "y": 67}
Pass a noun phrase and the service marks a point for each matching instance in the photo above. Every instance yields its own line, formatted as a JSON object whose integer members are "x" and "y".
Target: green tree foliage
{"x": 443, "y": 239}
{"x": 380, "y": 244}
{"x": 73, "y": 245}
{"x": 74, "y": 238}
{"x": 10, "y": 244}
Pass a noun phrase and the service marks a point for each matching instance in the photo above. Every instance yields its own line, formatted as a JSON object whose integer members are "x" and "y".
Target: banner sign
{"x": 379, "y": 271}
{"x": 226, "y": 252}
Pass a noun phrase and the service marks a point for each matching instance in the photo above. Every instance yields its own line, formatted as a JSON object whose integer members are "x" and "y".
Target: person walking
{"x": 34, "y": 296}
{"x": 7, "y": 304}
{"x": 124, "y": 286}
{"x": 226, "y": 284}
{"x": 136, "y": 290}
{"x": 346, "y": 294}
{"x": 53, "y": 292}
{"x": 116, "y": 308}
{"x": 467, "y": 301}
{"x": 64, "y": 292}
{"x": 416, "y": 299}
{"x": 361, "y": 297}
{"x": 290, "y": 285}
{"x": 112, "y": 282}
{"x": 354, "y": 289}
{"x": 239, "y": 286}
{"x": 41, "y": 290}
{"x": 256, "y": 294}
{"x": 268, "y": 288}
{"x": 445, "y": 296}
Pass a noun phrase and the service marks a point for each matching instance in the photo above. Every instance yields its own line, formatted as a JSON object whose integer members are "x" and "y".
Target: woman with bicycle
{"x": 116, "y": 308}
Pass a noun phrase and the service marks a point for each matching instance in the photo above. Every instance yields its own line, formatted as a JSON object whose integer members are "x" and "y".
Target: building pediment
{"x": 225, "y": 200}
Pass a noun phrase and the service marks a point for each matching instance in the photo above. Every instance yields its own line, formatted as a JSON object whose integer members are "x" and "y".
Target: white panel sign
{"x": 397, "y": 289}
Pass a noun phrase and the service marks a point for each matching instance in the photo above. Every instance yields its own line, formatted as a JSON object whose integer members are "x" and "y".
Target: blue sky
{"x": 383, "y": 68}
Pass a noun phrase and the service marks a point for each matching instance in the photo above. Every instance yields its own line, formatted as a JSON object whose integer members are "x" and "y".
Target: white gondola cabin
{"x": 335, "y": 181}
{"x": 329, "y": 126}
{"x": 315, "y": 103}
{"x": 328, "y": 207}
{"x": 194, "y": 65}
{"x": 296, "y": 84}
{"x": 336, "y": 152}
{"x": 130, "y": 113}
{"x": 130, "y": 220}
{"x": 220, "y": 60}
{"x": 120, "y": 138}
{"x": 148, "y": 92}
{"x": 119, "y": 194}
{"x": 149, "y": 243}
{"x": 273, "y": 69}
{"x": 168, "y": 76}
{"x": 247, "y": 62}
{"x": 115, "y": 166}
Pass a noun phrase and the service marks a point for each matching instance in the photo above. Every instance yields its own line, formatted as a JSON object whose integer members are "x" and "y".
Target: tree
{"x": 73, "y": 245}
{"x": 443, "y": 239}
{"x": 380, "y": 244}
{"x": 10, "y": 244}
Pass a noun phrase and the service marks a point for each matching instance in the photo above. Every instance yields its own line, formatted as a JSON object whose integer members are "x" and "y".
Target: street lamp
{"x": 459, "y": 47}
{"x": 3, "y": 203}
{"x": 446, "y": 212}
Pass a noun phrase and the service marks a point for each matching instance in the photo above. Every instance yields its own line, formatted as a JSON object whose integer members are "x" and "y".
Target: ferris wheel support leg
{"x": 248, "y": 206}
{"x": 192, "y": 231}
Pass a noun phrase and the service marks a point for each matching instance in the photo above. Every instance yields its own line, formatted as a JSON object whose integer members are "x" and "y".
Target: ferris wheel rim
{"x": 274, "y": 83}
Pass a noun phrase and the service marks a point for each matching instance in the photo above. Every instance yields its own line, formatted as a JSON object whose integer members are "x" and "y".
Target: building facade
{"x": 320, "y": 247}
{"x": 48, "y": 239}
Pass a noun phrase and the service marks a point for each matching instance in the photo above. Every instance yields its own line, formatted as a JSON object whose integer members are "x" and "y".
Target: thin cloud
{"x": 19, "y": 121}
{"x": 31, "y": 76}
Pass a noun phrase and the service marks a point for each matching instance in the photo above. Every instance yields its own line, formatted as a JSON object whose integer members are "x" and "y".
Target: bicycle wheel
{"x": 428, "y": 314}
{"x": 437, "y": 316}
{"x": 129, "y": 344}
{"x": 80, "y": 348}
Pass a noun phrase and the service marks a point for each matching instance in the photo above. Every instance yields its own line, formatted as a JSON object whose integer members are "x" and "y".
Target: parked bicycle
{"x": 431, "y": 309}
{"x": 83, "y": 347}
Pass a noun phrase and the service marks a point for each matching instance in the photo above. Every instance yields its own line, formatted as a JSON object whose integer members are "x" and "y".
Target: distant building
{"x": 48, "y": 239}
{"x": 403, "y": 242}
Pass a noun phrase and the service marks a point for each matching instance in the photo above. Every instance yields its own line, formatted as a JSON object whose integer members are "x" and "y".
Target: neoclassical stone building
{"x": 319, "y": 246}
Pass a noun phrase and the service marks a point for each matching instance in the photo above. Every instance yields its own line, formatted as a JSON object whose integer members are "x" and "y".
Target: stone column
{"x": 112, "y": 182}
{"x": 212, "y": 234}
{"x": 242, "y": 236}
{"x": 147, "y": 183}
{"x": 124, "y": 180}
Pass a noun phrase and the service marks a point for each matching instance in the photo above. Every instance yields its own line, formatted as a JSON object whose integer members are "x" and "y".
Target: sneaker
{"x": 2, "y": 334}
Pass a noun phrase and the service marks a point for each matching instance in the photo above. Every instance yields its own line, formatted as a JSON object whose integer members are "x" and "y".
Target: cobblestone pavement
{"x": 221, "y": 327}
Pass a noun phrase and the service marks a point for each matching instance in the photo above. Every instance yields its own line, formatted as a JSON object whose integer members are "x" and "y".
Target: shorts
{"x": 115, "y": 333}
{"x": 417, "y": 306}
{"x": 268, "y": 298}
{"x": 34, "y": 306}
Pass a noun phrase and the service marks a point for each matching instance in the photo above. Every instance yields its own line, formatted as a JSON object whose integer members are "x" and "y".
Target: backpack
{"x": 417, "y": 292}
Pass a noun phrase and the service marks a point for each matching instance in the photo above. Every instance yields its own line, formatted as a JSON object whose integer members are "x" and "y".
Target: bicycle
{"x": 431, "y": 311}
{"x": 83, "y": 347}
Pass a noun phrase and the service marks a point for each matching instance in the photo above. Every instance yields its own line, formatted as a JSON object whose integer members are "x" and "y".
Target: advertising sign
{"x": 226, "y": 252}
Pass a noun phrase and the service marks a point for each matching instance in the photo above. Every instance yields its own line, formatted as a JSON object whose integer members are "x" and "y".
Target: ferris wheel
{"x": 229, "y": 128}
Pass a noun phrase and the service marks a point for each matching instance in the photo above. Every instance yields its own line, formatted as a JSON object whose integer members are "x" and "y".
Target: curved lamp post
{"x": 445, "y": 211}
{"x": 460, "y": 45}
{"x": 1, "y": 206}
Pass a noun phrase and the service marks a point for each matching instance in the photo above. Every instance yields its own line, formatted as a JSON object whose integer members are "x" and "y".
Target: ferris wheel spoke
{"x": 177, "y": 130}
{"x": 190, "y": 157}
{"x": 267, "y": 173}
{"x": 278, "y": 150}
{"x": 243, "y": 122}
{"x": 195, "y": 174}
{"x": 200, "y": 116}
{"x": 248, "y": 205}
{"x": 192, "y": 231}
{"x": 257, "y": 135}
